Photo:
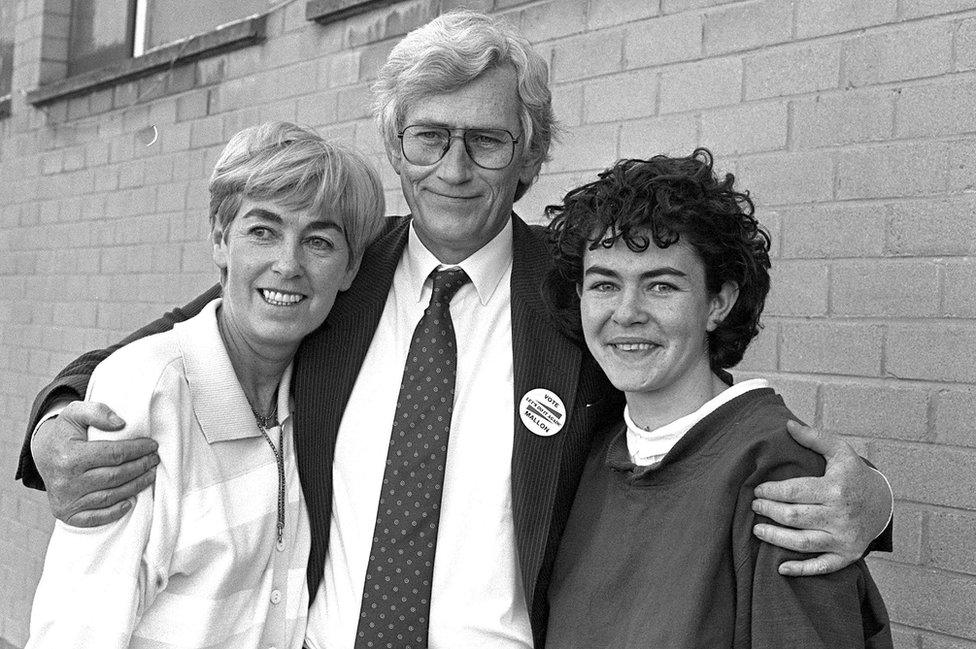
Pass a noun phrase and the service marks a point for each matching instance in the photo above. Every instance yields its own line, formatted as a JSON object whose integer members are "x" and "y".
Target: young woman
{"x": 215, "y": 554}
{"x": 665, "y": 270}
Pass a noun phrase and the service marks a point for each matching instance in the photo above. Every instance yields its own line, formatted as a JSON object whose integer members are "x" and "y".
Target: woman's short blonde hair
{"x": 453, "y": 50}
{"x": 296, "y": 167}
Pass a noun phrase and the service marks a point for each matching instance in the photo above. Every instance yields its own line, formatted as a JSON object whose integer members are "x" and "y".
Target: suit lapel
{"x": 542, "y": 359}
{"x": 326, "y": 368}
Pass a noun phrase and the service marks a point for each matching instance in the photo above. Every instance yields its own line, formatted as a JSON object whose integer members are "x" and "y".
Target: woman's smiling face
{"x": 646, "y": 316}
{"x": 281, "y": 269}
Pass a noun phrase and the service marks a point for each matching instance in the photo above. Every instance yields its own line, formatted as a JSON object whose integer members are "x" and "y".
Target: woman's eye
{"x": 662, "y": 287}
{"x": 260, "y": 232}
{"x": 320, "y": 243}
{"x": 601, "y": 287}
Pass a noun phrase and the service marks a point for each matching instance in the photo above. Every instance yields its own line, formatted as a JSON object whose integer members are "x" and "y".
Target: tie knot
{"x": 446, "y": 284}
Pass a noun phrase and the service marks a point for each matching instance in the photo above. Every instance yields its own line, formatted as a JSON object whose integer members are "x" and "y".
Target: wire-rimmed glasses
{"x": 489, "y": 148}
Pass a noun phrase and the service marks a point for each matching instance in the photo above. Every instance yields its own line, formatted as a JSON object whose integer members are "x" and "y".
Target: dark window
{"x": 163, "y": 21}
{"x": 101, "y": 34}
{"x": 104, "y": 32}
{"x": 6, "y": 51}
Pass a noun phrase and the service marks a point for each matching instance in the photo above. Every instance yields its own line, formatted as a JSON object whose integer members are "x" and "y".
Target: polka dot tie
{"x": 396, "y": 595}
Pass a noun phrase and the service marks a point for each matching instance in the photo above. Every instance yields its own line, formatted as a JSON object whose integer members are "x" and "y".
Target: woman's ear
{"x": 350, "y": 274}
{"x": 721, "y": 304}
{"x": 219, "y": 243}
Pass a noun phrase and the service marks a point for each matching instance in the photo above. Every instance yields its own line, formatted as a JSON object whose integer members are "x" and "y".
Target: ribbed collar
{"x": 219, "y": 404}
{"x": 647, "y": 447}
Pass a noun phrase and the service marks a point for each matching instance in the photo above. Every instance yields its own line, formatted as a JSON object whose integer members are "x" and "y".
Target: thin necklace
{"x": 264, "y": 423}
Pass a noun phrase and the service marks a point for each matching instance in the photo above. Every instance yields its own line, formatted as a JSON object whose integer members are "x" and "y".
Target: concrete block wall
{"x": 853, "y": 123}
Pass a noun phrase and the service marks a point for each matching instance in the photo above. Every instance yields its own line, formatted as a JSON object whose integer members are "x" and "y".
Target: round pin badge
{"x": 542, "y": 412}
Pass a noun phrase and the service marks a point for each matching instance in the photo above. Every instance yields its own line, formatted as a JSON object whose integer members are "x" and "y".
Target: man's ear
{"x": 529, "y": 171}
{"x": 721, "y": 304}
{"x": 394, "y": 155}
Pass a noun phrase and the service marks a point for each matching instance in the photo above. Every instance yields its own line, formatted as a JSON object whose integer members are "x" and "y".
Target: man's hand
{"x": 90, "y": 483}
{"x": 837, "y": 515}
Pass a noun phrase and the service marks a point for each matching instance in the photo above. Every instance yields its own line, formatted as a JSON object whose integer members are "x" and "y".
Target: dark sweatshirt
{"x": 665, "y": 558}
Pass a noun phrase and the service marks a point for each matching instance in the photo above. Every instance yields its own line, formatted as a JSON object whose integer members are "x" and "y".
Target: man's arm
{"x": 90, "y": 482}
{"x": 840, "y": 516}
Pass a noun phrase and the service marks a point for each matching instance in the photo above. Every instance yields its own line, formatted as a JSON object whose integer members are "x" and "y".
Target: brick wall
{"x": 852, "y": 121}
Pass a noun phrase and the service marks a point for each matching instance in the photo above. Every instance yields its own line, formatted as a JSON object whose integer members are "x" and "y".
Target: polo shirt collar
{"x": 219, "y": 404}
{"x": 485, "y": 267}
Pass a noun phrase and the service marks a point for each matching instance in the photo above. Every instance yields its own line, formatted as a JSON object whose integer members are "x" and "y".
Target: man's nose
{"x": 455, "y": 166}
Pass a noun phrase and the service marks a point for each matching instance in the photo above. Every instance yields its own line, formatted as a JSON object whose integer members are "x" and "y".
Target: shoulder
{"x": 538, "y": 233}
{"x": 757, "y": 430}
{"x": 140, "y": 359}
{"x": 132, "y": 378}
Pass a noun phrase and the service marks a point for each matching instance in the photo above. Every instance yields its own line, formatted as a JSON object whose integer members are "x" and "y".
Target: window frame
{"x": 7, "y": 99}
{"x": 327, "y": 11}
{"x": 236, "y": 35}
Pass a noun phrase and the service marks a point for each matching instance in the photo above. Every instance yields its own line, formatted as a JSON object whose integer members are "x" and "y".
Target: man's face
{"x": 458, "y": 206}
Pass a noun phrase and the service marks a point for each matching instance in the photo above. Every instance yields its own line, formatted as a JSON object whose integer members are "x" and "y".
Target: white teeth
{"x": 633, "y": 347}
{"x": 277, "y": 298}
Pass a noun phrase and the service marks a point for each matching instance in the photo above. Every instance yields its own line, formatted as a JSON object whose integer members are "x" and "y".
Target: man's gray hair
{"x": 451, "y": 51}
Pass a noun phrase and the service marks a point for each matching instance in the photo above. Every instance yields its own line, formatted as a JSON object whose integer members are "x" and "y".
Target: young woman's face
{"x": 646, "y": 315}
{"x": 281, "y": 271}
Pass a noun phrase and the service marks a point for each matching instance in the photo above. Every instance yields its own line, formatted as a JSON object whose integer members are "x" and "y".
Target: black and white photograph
{"x": 488, "y": 324}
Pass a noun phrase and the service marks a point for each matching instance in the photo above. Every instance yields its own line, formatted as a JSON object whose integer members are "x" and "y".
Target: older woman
{"x": 669, "y": 272}
{"x": 215, "y": 554}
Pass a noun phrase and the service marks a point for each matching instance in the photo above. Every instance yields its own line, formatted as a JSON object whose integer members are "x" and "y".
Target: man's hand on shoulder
{"x": 91, "y": 483}
{"x": 836, "y": 516}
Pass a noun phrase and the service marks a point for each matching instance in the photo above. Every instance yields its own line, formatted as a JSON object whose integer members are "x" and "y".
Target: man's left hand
{"x": 837, "y": 515}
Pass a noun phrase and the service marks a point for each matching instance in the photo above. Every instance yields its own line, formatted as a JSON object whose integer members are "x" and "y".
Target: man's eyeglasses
{"x": 489, "y": 148}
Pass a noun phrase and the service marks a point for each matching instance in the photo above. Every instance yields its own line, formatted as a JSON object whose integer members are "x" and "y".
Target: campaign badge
{"x": 542, "y": 412}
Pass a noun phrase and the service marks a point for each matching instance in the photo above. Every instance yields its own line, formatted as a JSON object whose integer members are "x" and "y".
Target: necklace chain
{"x": 266, "y": 422}
{"x": 269, "y": 420}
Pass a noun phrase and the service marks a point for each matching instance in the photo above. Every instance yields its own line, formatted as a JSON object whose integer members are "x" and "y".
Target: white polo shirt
{"x": 195, "y": 563}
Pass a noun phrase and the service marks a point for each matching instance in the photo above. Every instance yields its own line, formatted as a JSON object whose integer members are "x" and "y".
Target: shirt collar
{"x": 646, "y": 447}
{"x": 219, "y": 403}
{"x": 485, "y": 267}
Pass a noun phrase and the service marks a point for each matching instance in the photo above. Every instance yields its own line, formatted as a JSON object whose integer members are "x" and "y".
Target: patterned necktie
{"x": 395, "y": 611}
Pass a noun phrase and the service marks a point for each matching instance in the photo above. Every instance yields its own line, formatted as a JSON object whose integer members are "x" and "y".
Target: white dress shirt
{"x": 477, "y": 597}
{"x": 195, "y": 563}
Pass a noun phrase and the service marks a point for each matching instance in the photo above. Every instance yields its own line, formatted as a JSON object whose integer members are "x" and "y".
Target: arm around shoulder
{"x": 839, "y": 512}
{"x": 71, "y": 383}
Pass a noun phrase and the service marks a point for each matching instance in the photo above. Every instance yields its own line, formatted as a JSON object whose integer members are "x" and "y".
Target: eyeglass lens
{"x": 487, "y": 148}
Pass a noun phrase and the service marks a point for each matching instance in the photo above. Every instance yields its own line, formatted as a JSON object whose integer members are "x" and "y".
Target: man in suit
{"x": 466, "y": 116}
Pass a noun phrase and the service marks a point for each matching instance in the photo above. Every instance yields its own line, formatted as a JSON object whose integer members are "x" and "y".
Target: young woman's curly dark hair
{"x": 664, "y": 200}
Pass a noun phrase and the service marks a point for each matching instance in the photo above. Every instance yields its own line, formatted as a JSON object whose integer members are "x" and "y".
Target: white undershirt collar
{"x": 649, "y": 447}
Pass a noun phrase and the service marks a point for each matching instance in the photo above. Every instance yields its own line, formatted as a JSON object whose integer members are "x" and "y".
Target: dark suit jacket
{"x": 545, "y": 470}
